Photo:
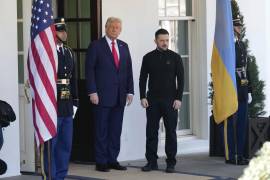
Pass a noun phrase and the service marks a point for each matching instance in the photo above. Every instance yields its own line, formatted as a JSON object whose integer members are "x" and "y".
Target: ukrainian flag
{"x": 225, "y": 101}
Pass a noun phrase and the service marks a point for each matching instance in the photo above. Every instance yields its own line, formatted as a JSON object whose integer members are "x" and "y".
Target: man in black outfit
{"x": 164, "y": 71}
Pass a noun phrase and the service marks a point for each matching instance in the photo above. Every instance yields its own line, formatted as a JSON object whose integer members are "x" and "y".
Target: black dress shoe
{"x": 149, "y": 167}
{"x": 238, "y": 162}
{"x": 102, "y": 167}
{"x": 170, "y": 169}
{"x": 230, "y": 161}
{"x": 243, "y": 161}
{"x": 117, "y": 166}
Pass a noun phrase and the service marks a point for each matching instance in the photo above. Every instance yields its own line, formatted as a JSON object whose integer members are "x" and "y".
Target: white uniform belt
{"x": 63, "y": 81}
{"x": 242, "y": 69}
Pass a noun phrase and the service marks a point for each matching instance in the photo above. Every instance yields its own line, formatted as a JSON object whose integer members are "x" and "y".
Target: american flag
{"x": 42, "y": 68}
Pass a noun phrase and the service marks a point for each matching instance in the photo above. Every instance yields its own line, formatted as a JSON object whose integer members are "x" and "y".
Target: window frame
{"x": 189, "y": 19}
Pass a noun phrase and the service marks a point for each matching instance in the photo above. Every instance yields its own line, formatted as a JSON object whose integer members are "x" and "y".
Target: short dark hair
{"x": 161, "y": 31}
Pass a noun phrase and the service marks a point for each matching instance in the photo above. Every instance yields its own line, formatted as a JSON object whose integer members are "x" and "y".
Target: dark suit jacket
{"x": 102, "y": 77}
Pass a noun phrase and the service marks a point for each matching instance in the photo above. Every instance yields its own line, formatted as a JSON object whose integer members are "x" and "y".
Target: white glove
{"x": 74, "y": 111}
{"x": 249, "y": 98}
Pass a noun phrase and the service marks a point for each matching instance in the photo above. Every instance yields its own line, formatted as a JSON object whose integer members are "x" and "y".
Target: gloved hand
{"x": 249, "y": 98}
{"x": 75, "y": 108}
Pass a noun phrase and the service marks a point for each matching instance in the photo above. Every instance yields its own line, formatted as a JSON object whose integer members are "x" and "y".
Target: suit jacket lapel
{"x": 108, "y": 51}
{"x": 121, "y": 53}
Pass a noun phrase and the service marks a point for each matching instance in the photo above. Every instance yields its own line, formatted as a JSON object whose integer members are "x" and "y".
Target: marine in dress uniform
{"x": 67, "y": 97}
{"x": 238, "y": 123}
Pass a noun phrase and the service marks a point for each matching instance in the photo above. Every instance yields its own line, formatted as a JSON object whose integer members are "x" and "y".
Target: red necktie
{"x": 115, "y": 55}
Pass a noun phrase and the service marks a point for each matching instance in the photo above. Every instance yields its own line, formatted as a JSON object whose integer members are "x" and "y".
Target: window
{"x": 175, "y": 16}
{"x": 175, "y": 8}
{"x": 81, "y": 19}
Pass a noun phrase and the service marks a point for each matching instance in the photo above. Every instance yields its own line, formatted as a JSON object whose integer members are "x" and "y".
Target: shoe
{"x": 117, "y": 166}
{"x": 241, "y": 161}
{"x": 149, "y": 167}
{"x": 170, "y": 169}
{"x": 102, "y": 168}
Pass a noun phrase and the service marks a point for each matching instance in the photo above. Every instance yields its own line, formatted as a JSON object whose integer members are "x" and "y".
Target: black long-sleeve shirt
{"x": 166, "y": 75}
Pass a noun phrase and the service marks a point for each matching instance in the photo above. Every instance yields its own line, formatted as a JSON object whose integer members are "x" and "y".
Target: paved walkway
{"x": 189, "y": 167}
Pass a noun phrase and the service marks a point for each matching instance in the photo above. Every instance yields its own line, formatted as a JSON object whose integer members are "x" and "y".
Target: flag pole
{"x": 235, "y": 138}
{"x": 49, "y": 159}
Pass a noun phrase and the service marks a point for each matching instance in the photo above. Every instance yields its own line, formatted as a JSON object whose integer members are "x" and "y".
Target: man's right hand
{"x": 144, "y": 103}
{"x": 94, "y": 98}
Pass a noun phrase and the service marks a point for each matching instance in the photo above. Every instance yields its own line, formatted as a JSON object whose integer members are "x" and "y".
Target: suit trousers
{"x": 161, "y": 109}
{"x": 60, "y": 149}
{"x": 108, "y": 122}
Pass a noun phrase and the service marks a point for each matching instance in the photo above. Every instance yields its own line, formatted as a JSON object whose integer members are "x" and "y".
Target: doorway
{"x": 83, "y": 19}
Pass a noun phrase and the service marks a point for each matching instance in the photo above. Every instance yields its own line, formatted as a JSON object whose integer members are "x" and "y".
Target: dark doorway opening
{"x": 83, "y": 19}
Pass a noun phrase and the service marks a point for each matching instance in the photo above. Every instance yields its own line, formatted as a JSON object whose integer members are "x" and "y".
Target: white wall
{"x": 140, "y": 21}
{"x": 211, "y": 20}
{"x": 199, "y": 69}
{"x": 267, "y": 58}
{"x": 9, "y": 83}
{"x": 256, "y": 18}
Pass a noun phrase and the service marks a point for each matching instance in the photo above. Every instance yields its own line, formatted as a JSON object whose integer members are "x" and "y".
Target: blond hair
{"x": 111, "y": 20}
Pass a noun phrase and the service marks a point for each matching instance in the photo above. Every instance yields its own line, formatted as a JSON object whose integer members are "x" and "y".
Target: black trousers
{"x": 157, "y": 109}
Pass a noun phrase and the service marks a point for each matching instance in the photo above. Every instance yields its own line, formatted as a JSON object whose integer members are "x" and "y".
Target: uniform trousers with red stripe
{"x": 60, "y": 149}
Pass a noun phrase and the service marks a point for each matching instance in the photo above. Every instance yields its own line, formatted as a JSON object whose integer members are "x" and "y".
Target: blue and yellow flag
{"x": 225, "y": 101}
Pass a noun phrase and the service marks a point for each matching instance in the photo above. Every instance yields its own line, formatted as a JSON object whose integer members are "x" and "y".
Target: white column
{"x": 200, "y": 71}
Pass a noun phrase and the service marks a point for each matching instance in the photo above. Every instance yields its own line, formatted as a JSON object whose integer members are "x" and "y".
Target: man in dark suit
{"x": 110, "y": 87}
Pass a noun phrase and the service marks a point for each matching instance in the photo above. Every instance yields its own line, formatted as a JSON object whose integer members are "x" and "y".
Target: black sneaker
{"x": 149, "y": 167}
{"x": 170, "y": 169}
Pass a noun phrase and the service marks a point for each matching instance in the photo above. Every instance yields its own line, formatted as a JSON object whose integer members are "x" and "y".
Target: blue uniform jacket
{"x": 67, "y": 70}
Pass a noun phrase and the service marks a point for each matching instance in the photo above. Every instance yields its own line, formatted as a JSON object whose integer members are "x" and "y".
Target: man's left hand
{"x": 177, "y": 104}
{"x": 129, "y": 99}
